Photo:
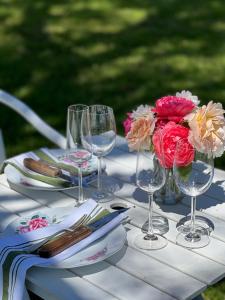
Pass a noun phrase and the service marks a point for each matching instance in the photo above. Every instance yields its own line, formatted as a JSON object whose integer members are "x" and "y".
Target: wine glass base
{"x": 160, "y": 225}
{"x": 142, "y": 241}
{"x": 184, "y": 224}
{"x": 109, "y": 186}
{"x": 102, "y": 196}
{"x": 198, "y": 239}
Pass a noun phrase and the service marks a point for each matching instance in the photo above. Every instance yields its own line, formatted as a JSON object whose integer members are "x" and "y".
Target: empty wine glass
{"x": 193, "y": 173}
{"x": 150, "y": 177}
{"x": 103, "y": 132}
{"x": 79, "y": 146}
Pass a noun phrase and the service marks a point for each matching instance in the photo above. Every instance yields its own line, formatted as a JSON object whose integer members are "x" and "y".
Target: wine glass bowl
{"x": 103, "y": 142}
{"x": 150, "y": 176}
{"x": 79, "y": 145}
{"x": 103, "y": 137}
{"x": 193, "y": 179}
{"x": 196, "y": 178}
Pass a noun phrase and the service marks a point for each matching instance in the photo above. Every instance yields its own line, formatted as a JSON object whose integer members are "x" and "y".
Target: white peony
{"x": 188, "y": 95}
{"x": 142, "y": 111}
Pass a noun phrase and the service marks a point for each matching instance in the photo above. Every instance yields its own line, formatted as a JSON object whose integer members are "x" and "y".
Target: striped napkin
{"x": 16, "y": 251}
{"x": 89, "y": 169}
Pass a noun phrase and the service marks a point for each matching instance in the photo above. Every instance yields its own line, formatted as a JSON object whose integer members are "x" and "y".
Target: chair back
{"x": 28, "y": 114}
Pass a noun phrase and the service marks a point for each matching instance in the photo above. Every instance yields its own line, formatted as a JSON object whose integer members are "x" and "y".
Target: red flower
{"x": 127, "y": 123}
{"x": 37, "y": 223}
{"x": 173, "y": 108}
{"x": 170, "y": 134}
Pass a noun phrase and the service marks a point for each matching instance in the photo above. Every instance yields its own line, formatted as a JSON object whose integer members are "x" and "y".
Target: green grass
{"x": 120, "y": 53}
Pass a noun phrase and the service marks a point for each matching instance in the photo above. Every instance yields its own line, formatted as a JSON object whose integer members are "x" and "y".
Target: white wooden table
{"x": 169, "y": 273}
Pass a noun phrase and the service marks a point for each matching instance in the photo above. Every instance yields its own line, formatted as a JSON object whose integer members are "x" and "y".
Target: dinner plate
{"x": 94, "y": 253}
{"x": 15, "y": 177}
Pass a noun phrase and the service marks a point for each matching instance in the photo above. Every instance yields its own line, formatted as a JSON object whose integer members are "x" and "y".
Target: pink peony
{"x": 127, "y": 123}
{"x": 171, "y": 133}
{"x": 37, "y": 223}
{"x": 173, "y": 108}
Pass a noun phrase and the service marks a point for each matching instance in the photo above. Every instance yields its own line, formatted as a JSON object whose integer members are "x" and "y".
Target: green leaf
{"x": 184, "y": 171}
{"x": 35, "y": 217}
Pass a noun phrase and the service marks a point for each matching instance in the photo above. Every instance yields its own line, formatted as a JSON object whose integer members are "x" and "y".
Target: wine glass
{"x": 103, "y": 132}
{"x": 193, "y": 173}
{"x": 79, "y": 146}
{"x": 150, "y": 177}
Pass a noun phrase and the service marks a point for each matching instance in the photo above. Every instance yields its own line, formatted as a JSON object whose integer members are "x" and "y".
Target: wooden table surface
{"x": 170, "y": 273}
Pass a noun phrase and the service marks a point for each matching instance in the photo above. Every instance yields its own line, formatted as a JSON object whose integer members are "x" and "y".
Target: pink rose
{"x": 37, "y": 223}
{"x": 171, "y": 133}
{"x": 173, "y": 108}
{"x": 127, "y": 123}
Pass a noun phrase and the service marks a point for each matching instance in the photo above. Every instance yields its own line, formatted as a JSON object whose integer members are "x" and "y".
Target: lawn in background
{"x": 119, "y": 53}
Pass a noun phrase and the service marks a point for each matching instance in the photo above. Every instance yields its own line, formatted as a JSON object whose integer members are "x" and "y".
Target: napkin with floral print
{"x": 17, "y": 251}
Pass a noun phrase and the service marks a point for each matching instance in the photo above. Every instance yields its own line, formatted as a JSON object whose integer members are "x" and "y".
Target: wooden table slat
{"x": 194, "y": 285}
{"x": 9, "y": 199}
{"x": 63, "y": 284}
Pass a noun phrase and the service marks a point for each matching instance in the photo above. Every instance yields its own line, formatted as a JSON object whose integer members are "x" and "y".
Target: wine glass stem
{"x": 193, "y": 209}
{"x": 150, "y": 232}
{"x": 80, "y": 182}
{"x": 99, "y": 173}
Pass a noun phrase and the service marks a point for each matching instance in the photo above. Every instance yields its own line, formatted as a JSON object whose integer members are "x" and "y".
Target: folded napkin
{"x": 89, "y": 168}
{"x": 16, "y": 251}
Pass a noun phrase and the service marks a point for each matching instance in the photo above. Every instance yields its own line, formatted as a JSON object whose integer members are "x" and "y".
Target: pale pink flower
{"x": 140, "y": 133}
{"x": 207, "y": 126}
{"x": 23, "y": 229}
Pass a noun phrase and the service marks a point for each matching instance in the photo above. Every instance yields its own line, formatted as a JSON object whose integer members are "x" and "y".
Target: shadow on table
{"x": 210, "y": 203}
{"x": 214, "y": 196}
{"x": 100, "y": 266}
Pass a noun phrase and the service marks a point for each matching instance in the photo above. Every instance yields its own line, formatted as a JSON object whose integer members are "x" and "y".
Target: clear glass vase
{"x": 169, "y": 194}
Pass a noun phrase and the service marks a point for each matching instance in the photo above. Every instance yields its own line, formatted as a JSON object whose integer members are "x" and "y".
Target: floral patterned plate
{"x": 95, "y": 252}
{"x": 16, "y": 178}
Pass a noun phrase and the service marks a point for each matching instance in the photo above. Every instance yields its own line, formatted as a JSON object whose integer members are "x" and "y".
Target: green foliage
{"x": 184, "y": 172}
{"x": 120, "y": 53}
{"x": 55, "y": 53}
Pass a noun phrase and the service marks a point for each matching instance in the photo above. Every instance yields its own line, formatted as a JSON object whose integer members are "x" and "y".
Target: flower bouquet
{"x": 175, "y": 118}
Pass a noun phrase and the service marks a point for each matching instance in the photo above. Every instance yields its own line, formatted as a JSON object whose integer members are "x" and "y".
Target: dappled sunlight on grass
{"x": 114, "y": 52}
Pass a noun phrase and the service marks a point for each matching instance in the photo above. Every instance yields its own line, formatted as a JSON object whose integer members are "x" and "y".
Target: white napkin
{"x": 22, "y": 262}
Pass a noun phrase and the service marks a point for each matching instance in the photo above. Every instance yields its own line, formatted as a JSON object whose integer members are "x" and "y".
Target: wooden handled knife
{"x": 44, "y": 168}
{"x": 41, "y": 167}
{"x": 70, "y": 238}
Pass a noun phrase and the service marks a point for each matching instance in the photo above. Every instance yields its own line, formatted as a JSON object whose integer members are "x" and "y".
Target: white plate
{"x": 94, "y": 253}
{"x": 15, "y": 177}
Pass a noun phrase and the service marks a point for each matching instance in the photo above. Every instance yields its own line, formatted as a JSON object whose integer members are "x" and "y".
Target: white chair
{"x": 29, "y": 115}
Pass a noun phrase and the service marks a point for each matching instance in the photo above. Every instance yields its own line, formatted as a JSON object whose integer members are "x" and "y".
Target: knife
{"x": 72, "y": 237}
{"x": 44, "y": 168}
